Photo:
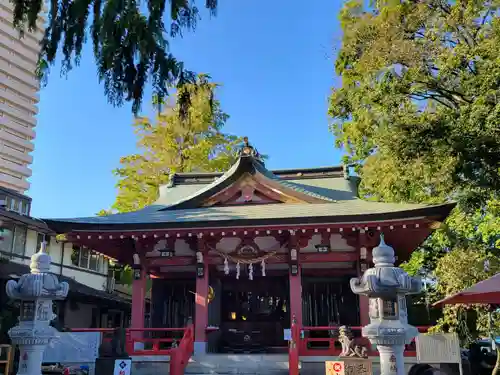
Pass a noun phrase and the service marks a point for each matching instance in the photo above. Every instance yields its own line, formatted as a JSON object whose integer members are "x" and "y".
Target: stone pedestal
{"x": 357, "y": 366}
{"x": 387, "y": 287}
{"x": 392, "y": 360}
{"x": 30, "y": 359}
{"x": 36, "y": 291}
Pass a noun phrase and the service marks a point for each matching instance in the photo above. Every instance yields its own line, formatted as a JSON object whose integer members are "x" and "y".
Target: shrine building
{"x": 244, "y": 252}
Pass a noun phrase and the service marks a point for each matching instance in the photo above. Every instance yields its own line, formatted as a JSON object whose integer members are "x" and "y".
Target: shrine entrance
{"x": 254, "y": 314}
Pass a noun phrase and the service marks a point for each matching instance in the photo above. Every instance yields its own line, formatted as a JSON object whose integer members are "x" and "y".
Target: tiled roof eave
{"x": 145, "y": 223}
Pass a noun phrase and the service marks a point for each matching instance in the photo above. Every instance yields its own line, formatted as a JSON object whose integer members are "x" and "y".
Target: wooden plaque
{"x": 438, "y": 348}
{"x": 358, "y": 366}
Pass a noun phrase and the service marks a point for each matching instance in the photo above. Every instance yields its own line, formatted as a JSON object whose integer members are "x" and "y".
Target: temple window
{"x": 14, "y": 239}
{"x": 15, "y": 204}
{"x": 8, "y": 237}
{"x": 19, "y": 245}
{"x": 85, "y": 258}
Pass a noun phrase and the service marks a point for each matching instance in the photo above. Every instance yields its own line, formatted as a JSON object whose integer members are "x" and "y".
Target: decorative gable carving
{"x": 250, "y": 189}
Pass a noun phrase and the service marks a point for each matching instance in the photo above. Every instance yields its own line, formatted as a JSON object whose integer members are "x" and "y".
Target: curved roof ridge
{"x": 245, "y": 163}
{"x": 206, "y": 188}
{"x": 180, "y": 178}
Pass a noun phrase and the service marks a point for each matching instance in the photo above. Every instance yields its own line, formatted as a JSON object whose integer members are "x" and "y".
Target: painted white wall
{"x": 55, "y": 250}
{"x": 90, "y": 279}
{"x": 82, "y": 275}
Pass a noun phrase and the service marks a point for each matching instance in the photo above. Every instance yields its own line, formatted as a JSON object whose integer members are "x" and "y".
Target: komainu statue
{"x": 349, "y": 346}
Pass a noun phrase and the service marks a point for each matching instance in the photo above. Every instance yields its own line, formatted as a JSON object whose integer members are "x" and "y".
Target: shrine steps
{"x": 245, "y": 364}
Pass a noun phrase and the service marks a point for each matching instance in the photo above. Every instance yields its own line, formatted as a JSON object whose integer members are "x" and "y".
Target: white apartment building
{"x": 94, "y": 299}
{"x": 19, "y": 96}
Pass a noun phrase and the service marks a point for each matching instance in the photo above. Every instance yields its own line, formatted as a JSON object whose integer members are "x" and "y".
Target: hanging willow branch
{"x": 130, "y": 45}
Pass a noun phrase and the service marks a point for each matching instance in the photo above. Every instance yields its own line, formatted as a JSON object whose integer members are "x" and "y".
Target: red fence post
{"x": 293, "y": 349}
{"x": 174, "y": 362}
{"x": 179, "y": 357}
{"x": 129, "y": 343}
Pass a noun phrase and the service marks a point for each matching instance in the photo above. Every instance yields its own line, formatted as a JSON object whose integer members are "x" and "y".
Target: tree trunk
{"x": 496, "y": 370}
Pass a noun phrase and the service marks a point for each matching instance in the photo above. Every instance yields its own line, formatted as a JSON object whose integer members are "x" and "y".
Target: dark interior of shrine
{"x": 254, "y": 314}
{"x": 251, "y": 315}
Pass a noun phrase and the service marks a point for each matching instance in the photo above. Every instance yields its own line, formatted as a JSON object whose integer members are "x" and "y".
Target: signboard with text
{"x": 122, "y": 367}
{"x": 334, "y": 368}
{"x": 438, "y": 348}
{"x": 287, "y": 334}
{"x": 349, "y": 366}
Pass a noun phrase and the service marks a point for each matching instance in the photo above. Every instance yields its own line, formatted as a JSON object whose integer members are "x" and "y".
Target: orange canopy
{"x": 484, "y": 292}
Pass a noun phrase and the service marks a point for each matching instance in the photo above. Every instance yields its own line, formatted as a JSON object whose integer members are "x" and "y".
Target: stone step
{"x": 250, "y": 364}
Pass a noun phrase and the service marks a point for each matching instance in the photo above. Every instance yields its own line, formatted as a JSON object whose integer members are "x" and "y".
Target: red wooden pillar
{"x": 296, "y": 296}
{"x": 364, "y": 301}
{"x": 295, "y": 284}
{"x": 201, "y": 301}
{"x": 138, "y": 299}
{"x": 138, "y": 305}
{"x": 364, "y": 315}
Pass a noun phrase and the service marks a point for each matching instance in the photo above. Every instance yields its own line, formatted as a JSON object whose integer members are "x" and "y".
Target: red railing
{"x": 151, "y": 345}
{"x": 179, "y": 357}
{"x": 330, "y": 346}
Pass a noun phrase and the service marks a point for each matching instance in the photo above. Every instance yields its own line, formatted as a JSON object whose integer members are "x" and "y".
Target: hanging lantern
{"x": 137, "y": 272}
{"x": 137, "y": 267}
{"x": 294, "y": 265}
{"x": 200, "y": 266}
{"x": 211, "y": 294}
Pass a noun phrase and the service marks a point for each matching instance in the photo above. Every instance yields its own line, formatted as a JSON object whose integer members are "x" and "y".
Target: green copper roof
{"x": 329, "y": 188}
{"x": 187, "y": 196}
{"x": 347, "y": 211}
{"x": 179, "y": 202}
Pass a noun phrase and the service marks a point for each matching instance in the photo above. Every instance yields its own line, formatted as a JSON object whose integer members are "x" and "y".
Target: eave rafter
{"x": 404, "y": 235}
{"x": 269, "y": 230}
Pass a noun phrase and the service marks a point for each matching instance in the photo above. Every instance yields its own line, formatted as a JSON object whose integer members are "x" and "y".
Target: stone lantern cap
{"x": 385, "y": 280}
{"x": 40, "y": 283}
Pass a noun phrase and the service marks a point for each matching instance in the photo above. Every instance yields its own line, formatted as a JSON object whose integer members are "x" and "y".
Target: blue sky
{"x": 275, "y": 60}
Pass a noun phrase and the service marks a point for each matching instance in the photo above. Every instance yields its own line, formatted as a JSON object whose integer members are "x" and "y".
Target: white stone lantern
{"x": 36, "y": 291}
{"x": 386, "y": 287}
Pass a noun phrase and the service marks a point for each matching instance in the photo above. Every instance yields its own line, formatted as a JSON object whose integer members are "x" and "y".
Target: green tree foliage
{"x": 104, "y": 212}
{"x": 458, "y": 269}
{"x": 130, "y": 41}
{"x": 173, "y": 143}
{"x": 420, "y": 96}
{"x": 418, "y": 114}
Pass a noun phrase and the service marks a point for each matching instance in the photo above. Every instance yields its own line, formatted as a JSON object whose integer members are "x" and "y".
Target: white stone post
{"x": 36, "y": 291}
{"x": 392, "y": 360}
{"x": 387, "y": 287}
